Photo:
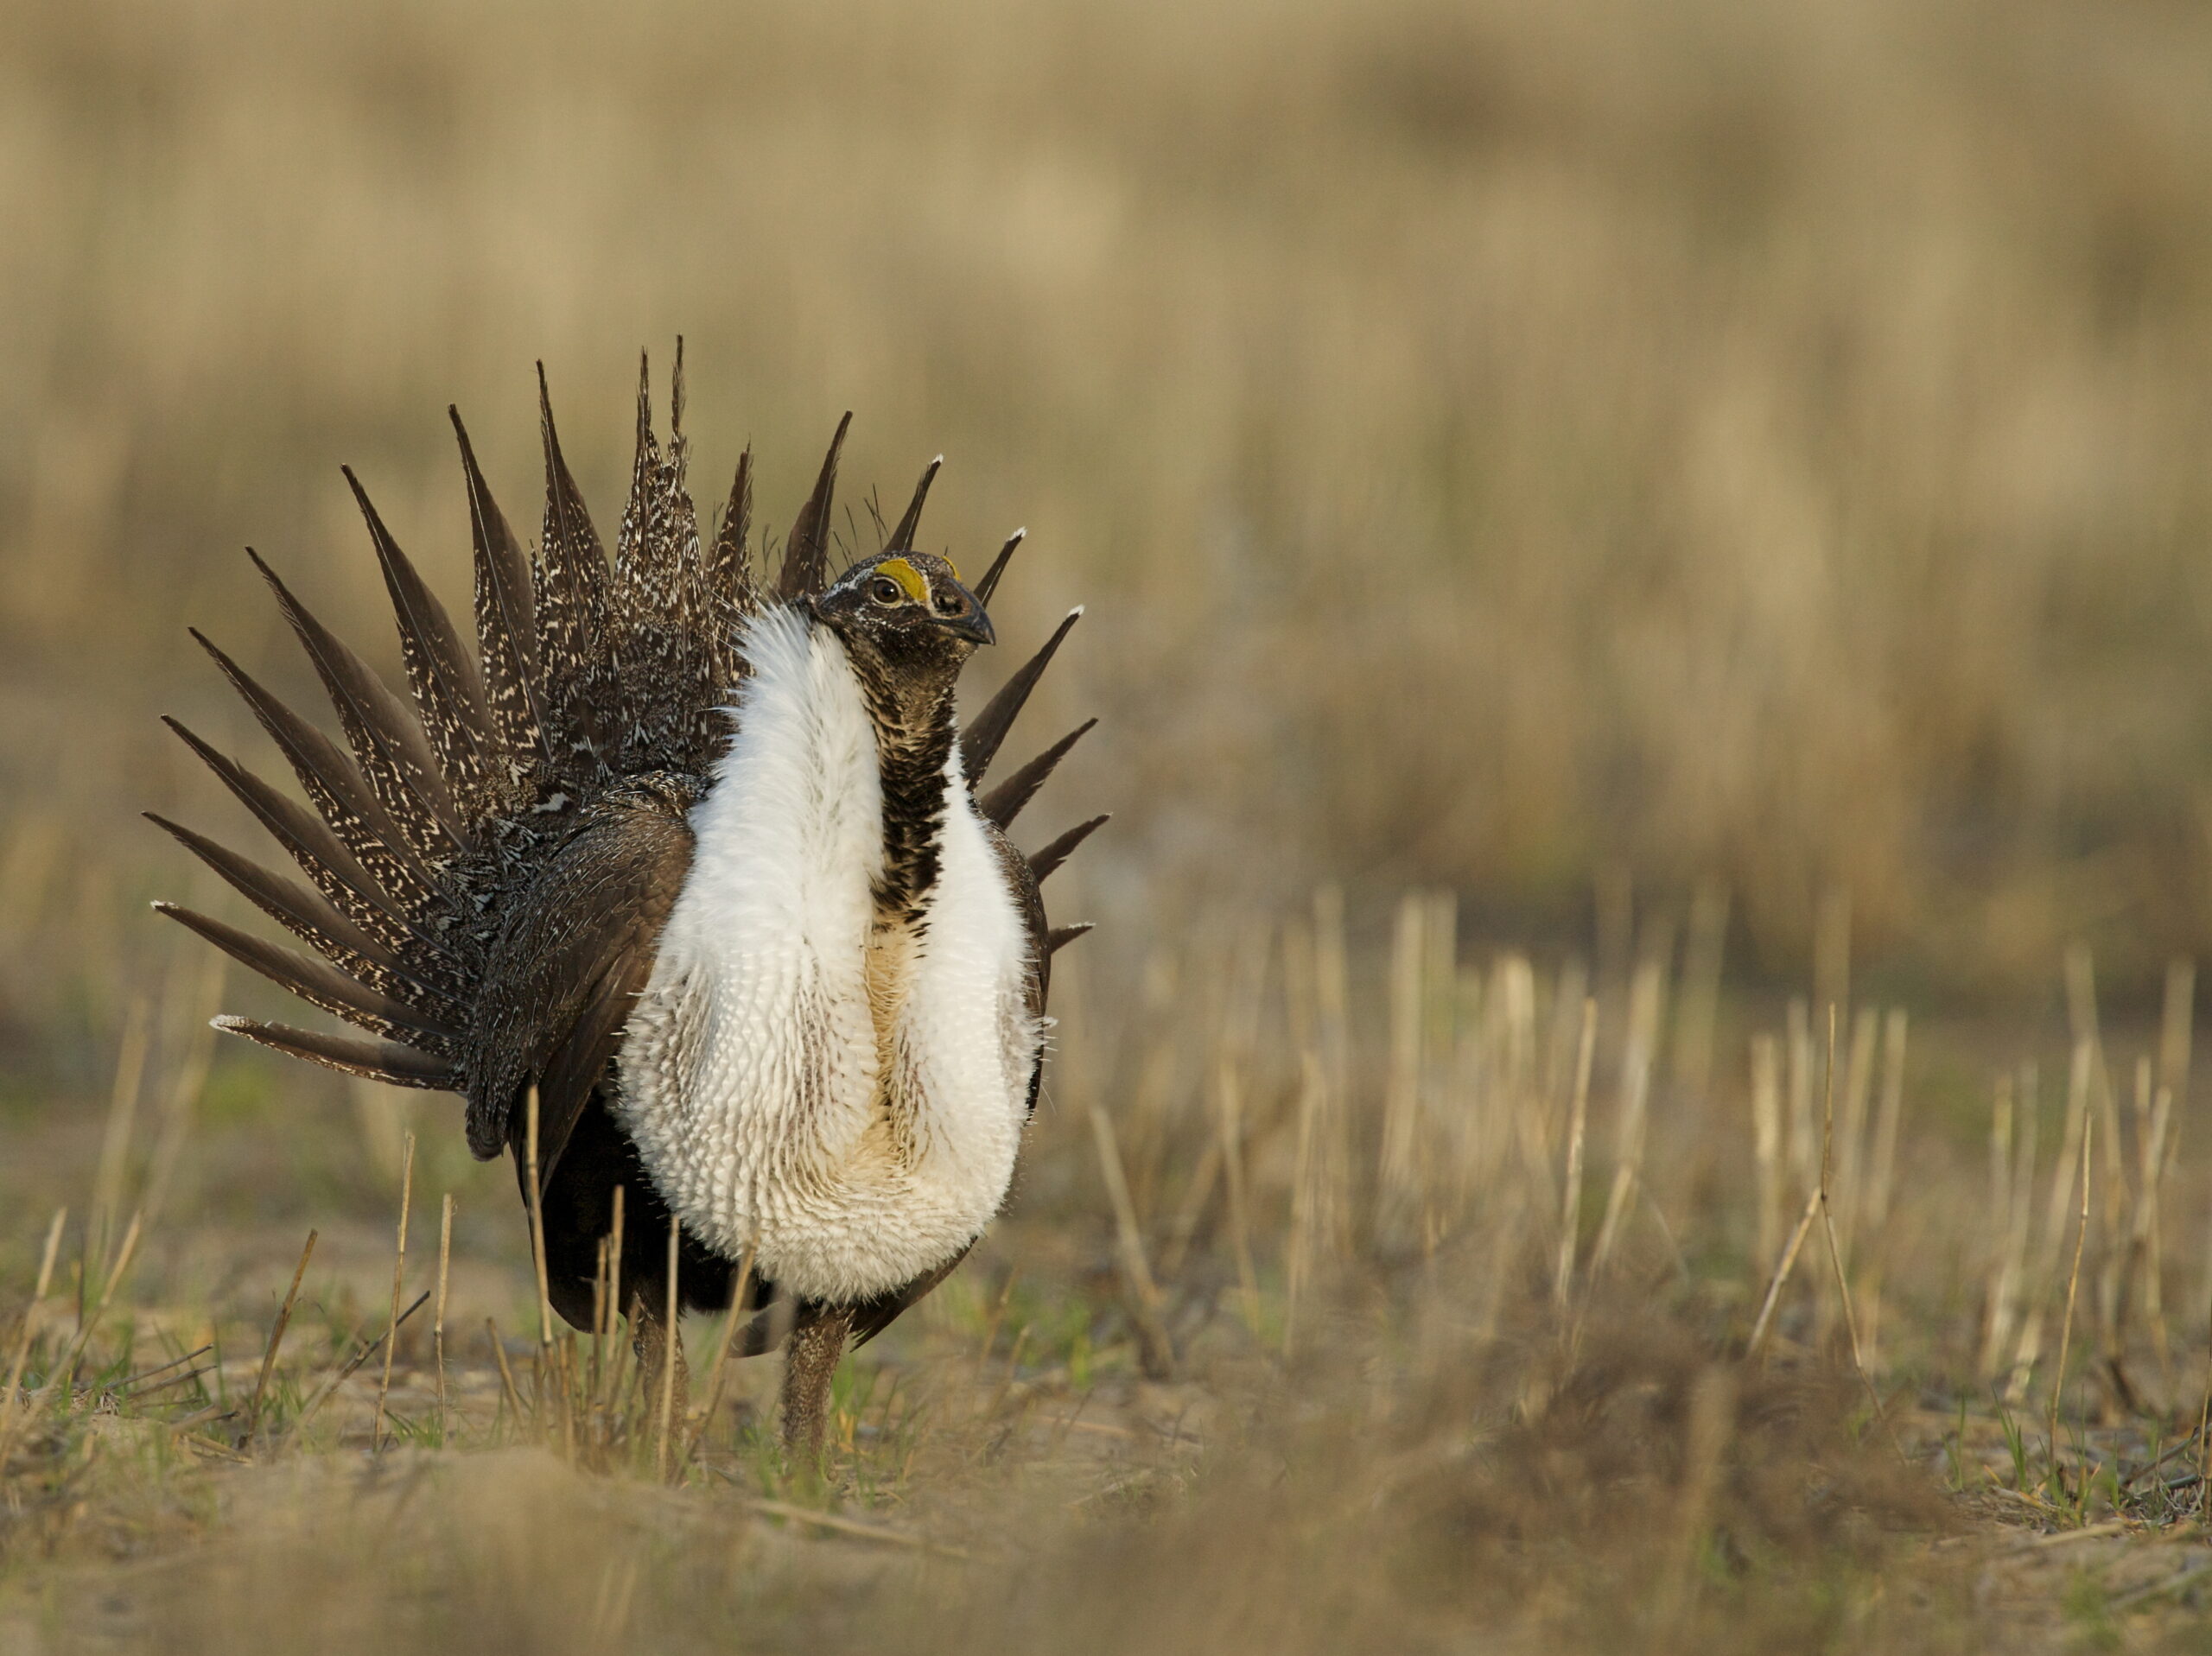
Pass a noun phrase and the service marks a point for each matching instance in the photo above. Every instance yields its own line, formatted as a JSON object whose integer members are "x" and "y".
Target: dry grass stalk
{"x": 1815, "y": 1207}
{"x": 136, "y": 1387}
{"x": 1874, "y": 1219}
{"x": 2135, "y": 1269}
{"x": 2113, "y": 1242}
{"x": 1500, "y": 1089}
{"x": 2080, "y": 1078}
{"x": 2177, "y": 1028}
{"x": 718, "y": 1374}
{"x": 438, "y": 1321}
{"x": 1780, "y": 1276}
{"x": 65, "y": 1374}
{"x": 997, "y": 1317}
{"x": 2157, "y": 1158}
{"x": 1013, "y": 1371}
{"x": 1237, "y": 1003}
{"x": 1889, "y": 1122}
{"x": 602, "y": 1308}
{"x": 30, "y": 1329}
{"x": 398, "y": 1287}
{"x": 2073, "y": 1286}
{"x": 506, "y": 1375}
{"x": 2027, "y": 1146}
{"x": 2004, "y": 1262}
{"x": 1804, "y": 1138}
{"x": 1310, "y": 1194}
{"x": 1333, "y": 1027}
{"x": 275, "y": 1341}
{"x": 1766, "y": 1144}
{"x": 1835, "y": 1251}
{"x": 1397, "y": 1196}
{"x": 1638, "y": 1057}
{"x": 561, "y": 1373}
{"x": 1157, "y": 1071}
{"x": 2204, "y": 1438}
{"x": 1847, "y": 1185}
{"x": 2103, "y": 1099}
{"x": 115, "y": 1139}
{"x": 537, "y": 1227}
{"x": 1447, "y": 1132}
{"x": 612, "y": 1373}
{"x": 1144, "y": 1297}
{"x": 1576, "y": 1126}
{"x": 189, "y": 1080}
{"x": 671, "y": 1356}
{"x": 1228, "y": 1098}
{"x": 1698, "y": 1009}
{"x": 547, "y": 1368}
{"x": 351, "y": 1367}
{"x": 1183, "y": 1229}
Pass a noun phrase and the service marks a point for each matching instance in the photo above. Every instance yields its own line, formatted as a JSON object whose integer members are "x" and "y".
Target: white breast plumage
{"x": 770, "y": 1109}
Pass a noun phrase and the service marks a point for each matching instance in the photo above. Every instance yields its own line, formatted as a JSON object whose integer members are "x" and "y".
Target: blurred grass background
{"x": 1633, "y": 472}
{"x": 1503, "y": 447}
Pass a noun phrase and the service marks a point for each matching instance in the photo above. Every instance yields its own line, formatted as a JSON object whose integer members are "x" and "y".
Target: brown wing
{"x": 561, "y": 979}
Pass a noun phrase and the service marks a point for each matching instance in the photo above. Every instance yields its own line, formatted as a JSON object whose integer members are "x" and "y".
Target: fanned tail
{"x": 583, "y": 672}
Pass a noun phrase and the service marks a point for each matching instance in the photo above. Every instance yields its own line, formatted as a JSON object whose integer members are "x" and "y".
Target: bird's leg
{"x": 810, "y": 1361}
{"x": 656, "y": 1344}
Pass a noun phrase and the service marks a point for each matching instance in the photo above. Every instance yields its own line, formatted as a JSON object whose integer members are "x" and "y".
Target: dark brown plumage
{"x": 488, "y": 862}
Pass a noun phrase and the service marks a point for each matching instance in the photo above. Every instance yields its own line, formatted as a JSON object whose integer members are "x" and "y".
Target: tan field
{"x": 1699, "y": 512}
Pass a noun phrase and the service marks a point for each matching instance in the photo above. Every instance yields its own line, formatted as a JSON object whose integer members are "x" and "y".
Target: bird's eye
{"x": 884, "y": 590}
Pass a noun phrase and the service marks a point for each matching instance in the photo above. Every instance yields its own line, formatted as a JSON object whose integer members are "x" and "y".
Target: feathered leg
{"x": 811, "y": 1360}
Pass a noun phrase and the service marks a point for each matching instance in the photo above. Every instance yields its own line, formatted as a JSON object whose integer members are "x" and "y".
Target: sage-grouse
{"x": 701, "y": 858}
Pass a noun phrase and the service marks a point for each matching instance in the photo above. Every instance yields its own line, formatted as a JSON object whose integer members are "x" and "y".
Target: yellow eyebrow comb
{"x": 909, "y": 578}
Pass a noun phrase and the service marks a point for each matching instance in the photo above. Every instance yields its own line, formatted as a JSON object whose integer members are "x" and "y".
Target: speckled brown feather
{"x": 489, "y": 869}
{"x": 309, "y": 841}
{"x": 337, "y": 791}
{"x": 506, "y": 627}
{"x": 442, "y": 675}
{"x": 389, "y": 747}
{"x": 574, "y": 654}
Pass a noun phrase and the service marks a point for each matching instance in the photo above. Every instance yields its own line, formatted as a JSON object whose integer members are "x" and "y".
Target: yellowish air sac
{"x": 909, "y": 578}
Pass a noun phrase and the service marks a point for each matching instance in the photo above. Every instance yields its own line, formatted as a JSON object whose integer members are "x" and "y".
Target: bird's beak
{"x": 971, "y": 624}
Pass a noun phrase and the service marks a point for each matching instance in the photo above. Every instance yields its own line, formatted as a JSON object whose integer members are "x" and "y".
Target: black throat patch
{"x": 915, "y": 735}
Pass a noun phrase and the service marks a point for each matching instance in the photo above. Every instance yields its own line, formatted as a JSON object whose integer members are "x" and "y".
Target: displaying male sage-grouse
{"x": 701, "y": 859}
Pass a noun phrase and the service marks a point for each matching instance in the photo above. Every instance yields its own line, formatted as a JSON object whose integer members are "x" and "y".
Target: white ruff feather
{"x": 853, "y": 1141}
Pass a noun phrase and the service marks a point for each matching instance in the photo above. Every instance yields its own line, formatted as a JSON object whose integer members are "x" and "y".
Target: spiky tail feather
{"x": 583, "y": 672}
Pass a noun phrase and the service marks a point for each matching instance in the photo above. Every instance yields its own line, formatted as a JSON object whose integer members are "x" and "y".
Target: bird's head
{"x": 908, "y": 613}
